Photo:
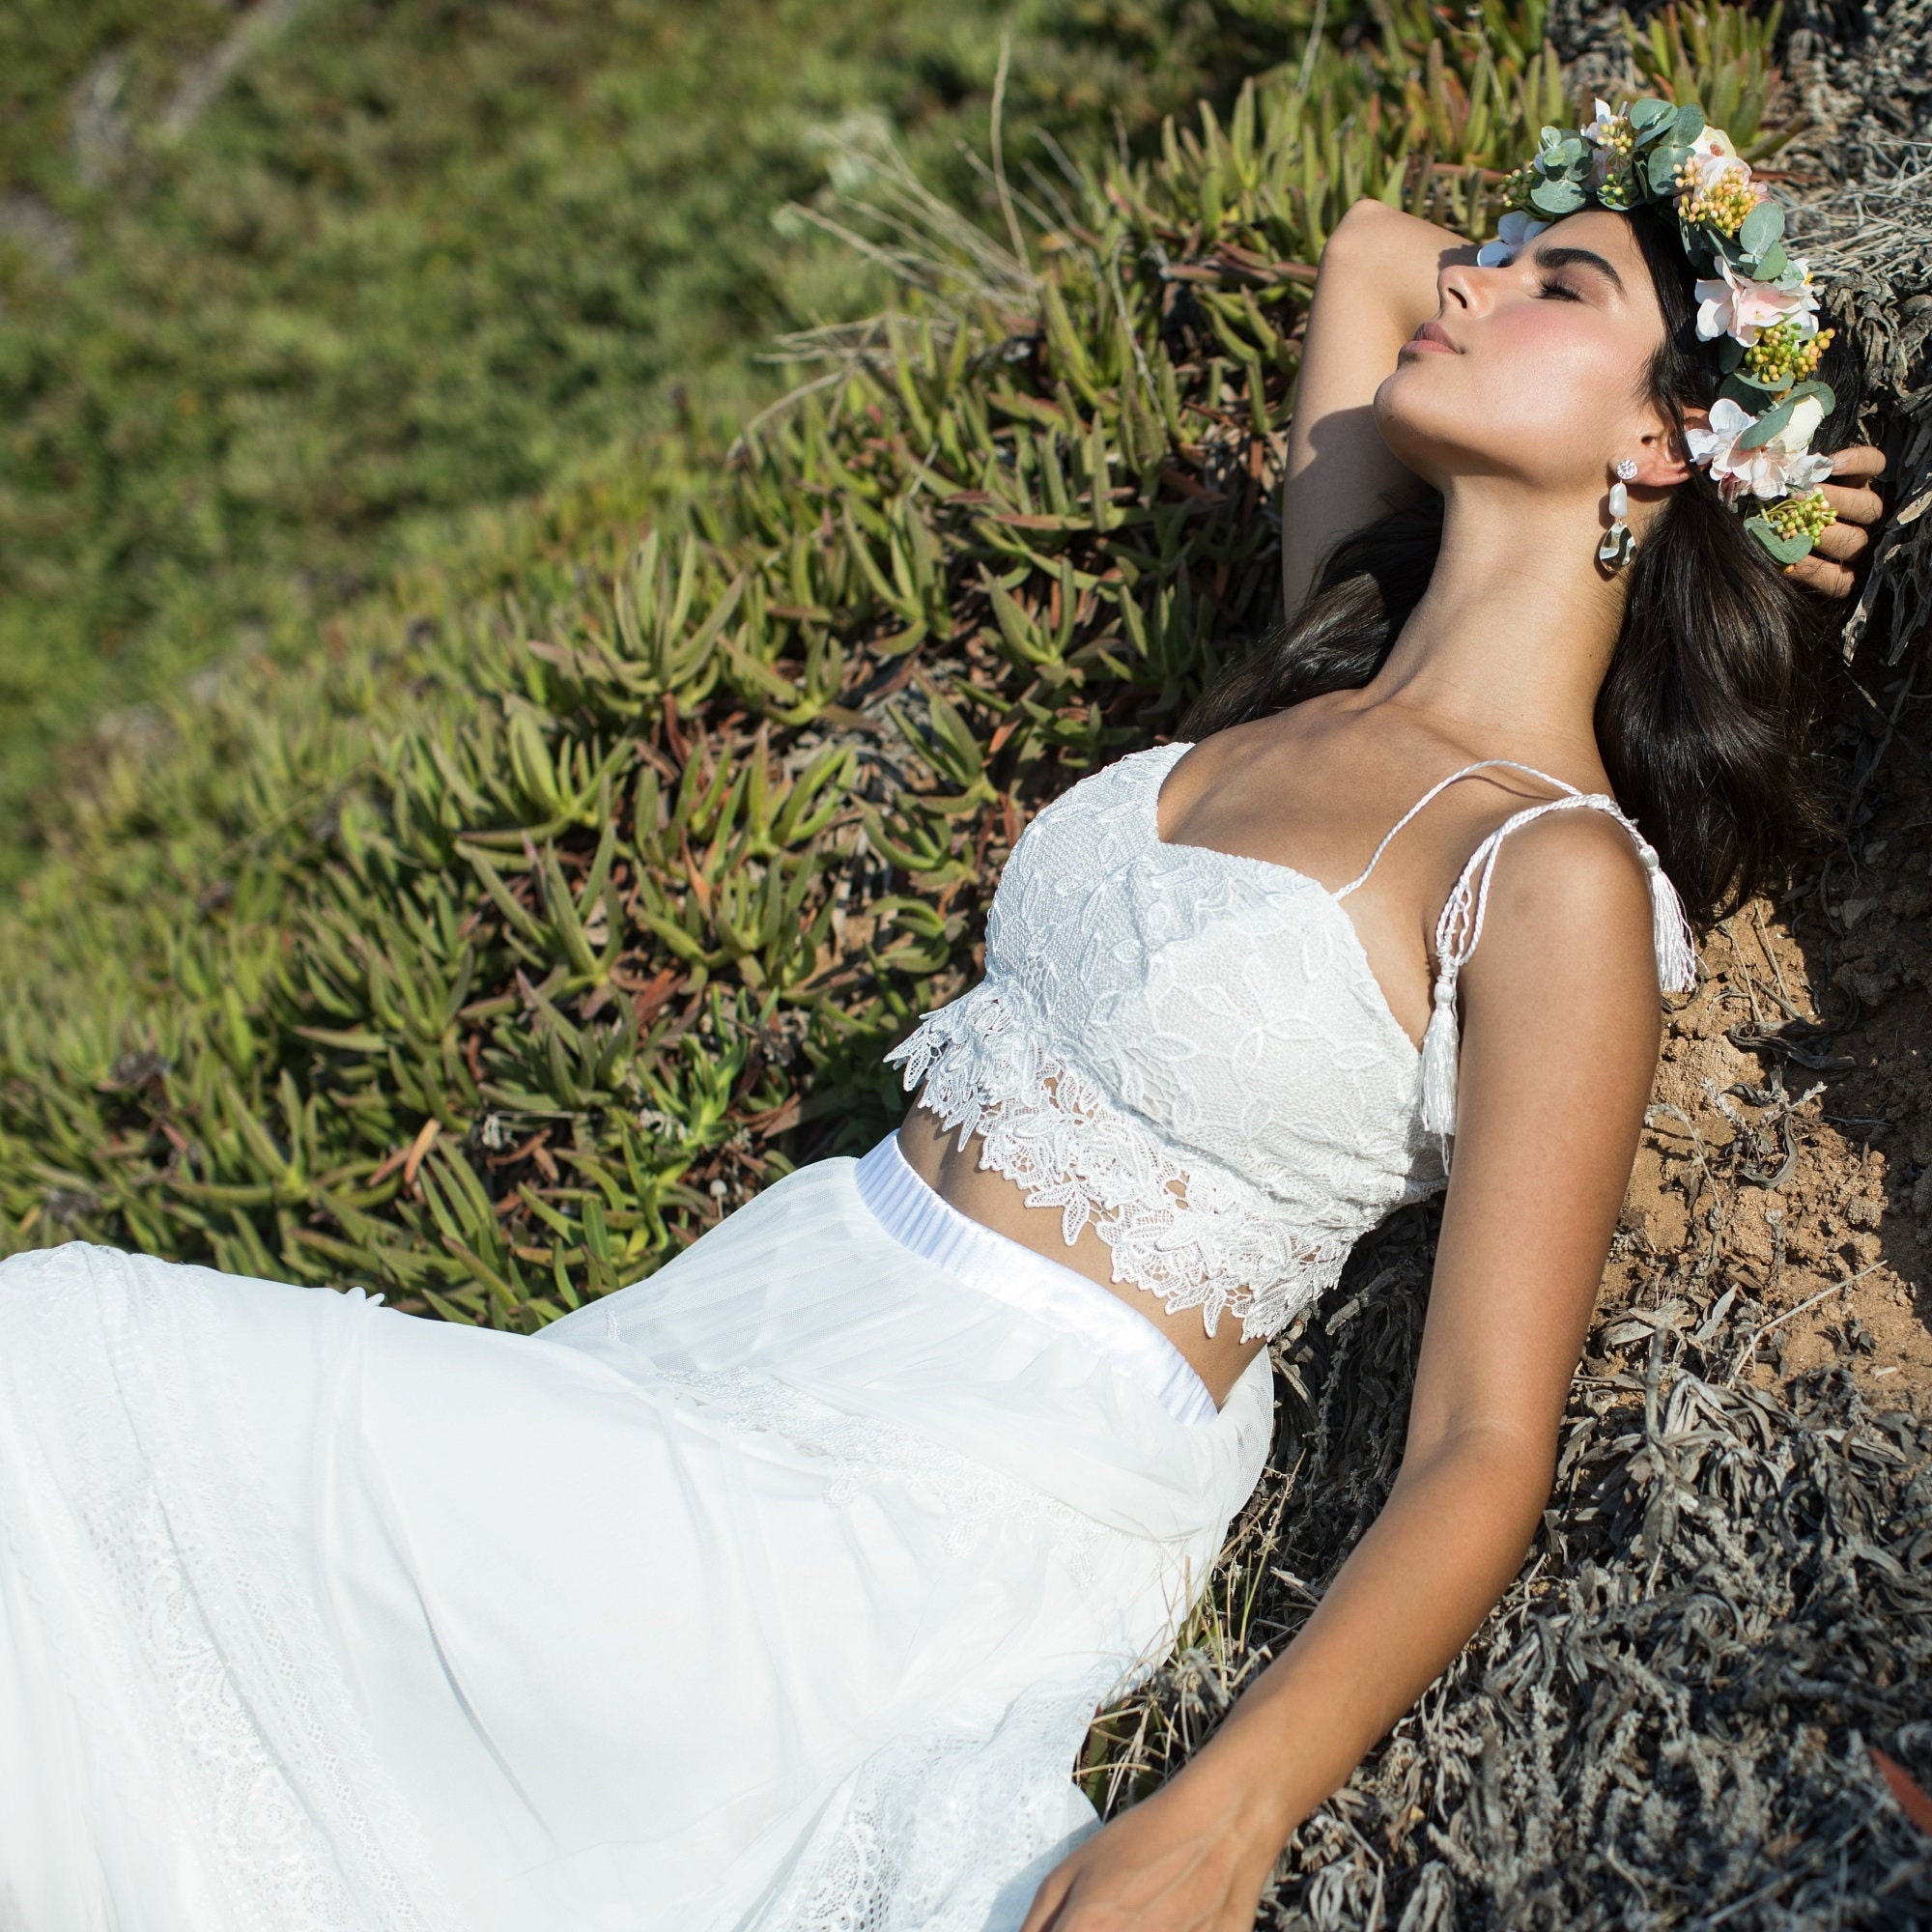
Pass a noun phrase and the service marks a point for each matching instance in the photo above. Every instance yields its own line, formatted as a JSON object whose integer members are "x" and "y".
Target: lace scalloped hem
{"x": 1183, "y": 1229}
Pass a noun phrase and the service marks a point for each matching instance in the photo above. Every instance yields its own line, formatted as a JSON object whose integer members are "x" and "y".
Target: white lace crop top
{"x": 1189, "y": 1049}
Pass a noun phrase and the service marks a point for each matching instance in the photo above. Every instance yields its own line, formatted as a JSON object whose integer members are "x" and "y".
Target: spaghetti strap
{"x": 1461, "y": 926}
{"x": 1442, "y": 785}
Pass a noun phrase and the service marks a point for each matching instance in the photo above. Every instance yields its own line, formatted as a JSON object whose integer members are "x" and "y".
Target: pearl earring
{"x": 1618, "y": 543}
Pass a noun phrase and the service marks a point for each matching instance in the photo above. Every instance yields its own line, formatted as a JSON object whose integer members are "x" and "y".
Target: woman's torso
{"x": 1194, "y": 932}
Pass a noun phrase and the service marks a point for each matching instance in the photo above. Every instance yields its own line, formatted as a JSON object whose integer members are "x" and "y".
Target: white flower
{"x": 1514, "y": 231}
{"x": 1782, "y": 465}
{"x": 1736, "y": 305}
{"x": 1599, "y": 130}
{"x": 1712, "y": 155}
{"x": 1610, "y": 132}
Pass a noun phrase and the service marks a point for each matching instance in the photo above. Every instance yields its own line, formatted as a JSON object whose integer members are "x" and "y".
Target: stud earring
{"x": 1618, "y": 543}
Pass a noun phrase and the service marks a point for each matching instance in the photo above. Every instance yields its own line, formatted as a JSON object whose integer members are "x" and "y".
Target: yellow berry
{"x": 1780, "y": 354}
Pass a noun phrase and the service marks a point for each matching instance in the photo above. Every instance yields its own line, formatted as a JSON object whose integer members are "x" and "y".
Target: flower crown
{"x": 1754, "y": 298}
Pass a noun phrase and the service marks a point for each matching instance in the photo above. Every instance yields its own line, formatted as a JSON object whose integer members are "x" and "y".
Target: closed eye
{"x": 1551, "y": 286}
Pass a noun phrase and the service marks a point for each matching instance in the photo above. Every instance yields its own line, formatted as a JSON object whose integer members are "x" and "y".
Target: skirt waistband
{"x": 931, "y": 1227}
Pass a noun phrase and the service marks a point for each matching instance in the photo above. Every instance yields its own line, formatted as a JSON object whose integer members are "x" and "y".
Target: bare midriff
{"x": 988, "y": 1196}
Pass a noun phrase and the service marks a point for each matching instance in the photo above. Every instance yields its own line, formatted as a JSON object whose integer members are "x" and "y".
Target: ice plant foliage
{"x": 1755, "y": 299}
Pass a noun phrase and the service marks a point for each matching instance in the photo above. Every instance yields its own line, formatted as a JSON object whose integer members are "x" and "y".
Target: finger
{"x": 1858, "y": 460}
{"x": 1843, "y": 543}
{"x": 1819, "y": 574}
{"x": 1854, "y": 505}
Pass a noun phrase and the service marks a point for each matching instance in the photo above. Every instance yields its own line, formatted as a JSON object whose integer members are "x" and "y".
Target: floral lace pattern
{"x": 946, "y": 1830}
{"x": 1195, "y": 1234}
{"x": 1188, "y": 1051}
{"x": 1185, "y": 1050}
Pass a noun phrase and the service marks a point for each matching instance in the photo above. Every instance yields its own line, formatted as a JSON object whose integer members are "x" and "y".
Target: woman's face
{"x": 1536, "y": 371}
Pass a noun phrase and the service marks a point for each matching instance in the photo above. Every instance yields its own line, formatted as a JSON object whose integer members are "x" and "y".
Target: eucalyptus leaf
{"x": 1663, "y": 168}
{"x": 1556, "y": 198}
{"x": 1730, "y": 353}
{"x": 1716, "y": 247}
{"x": 1785, "y": 550}
{"x": 1763, "y": 227}
{"x": 1746, "y": 392}
{"x": 1648, "y": 114}
{"x": 1773, "y": 263}
{"x": 1827, "y": 398}
{"x": 1766, "y": 427}
{"x": 1689, "y": 123}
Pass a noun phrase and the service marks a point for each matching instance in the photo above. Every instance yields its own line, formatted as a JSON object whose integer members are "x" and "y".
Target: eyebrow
{"x": 1579, "y": 258}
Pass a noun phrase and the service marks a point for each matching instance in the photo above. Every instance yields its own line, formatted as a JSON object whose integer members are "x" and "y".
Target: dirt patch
{"x": 1789, "y": 1146}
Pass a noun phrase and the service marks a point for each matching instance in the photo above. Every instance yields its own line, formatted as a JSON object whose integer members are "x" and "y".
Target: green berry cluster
{"x": 1724, "y": 204}
{"x": 1618, "y": 137}
{"x": 1513, "y": 190}
{"x": 1782, "y": 355}
{"x": 1806, "y": 516}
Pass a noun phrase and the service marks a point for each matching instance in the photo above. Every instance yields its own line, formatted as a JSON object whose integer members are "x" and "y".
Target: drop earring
{"x": 1618, "y": 543}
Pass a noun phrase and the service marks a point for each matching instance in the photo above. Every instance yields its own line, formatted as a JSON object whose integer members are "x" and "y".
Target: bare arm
{"x": 1375, "y": 287}
{"x": 1560, "y": 1046}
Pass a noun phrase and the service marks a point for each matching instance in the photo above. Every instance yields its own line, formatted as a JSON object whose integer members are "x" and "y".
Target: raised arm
{"x": 1559, "y": 1047}
{"x": 1375, "y": 287}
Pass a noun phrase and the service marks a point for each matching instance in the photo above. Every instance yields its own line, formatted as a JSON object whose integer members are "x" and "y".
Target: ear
{"x": 1662, "y": 462}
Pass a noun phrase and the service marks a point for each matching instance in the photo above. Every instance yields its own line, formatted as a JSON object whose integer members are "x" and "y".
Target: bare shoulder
{"x": 1363, "y": 220}
{"x": 1569, "y": 918}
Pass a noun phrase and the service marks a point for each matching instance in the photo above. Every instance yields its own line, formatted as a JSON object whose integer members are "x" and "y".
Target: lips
{"x": 1432, "y": 336}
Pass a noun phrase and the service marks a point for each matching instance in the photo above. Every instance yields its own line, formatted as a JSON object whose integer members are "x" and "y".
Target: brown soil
{"x": 1789, "y": 1149}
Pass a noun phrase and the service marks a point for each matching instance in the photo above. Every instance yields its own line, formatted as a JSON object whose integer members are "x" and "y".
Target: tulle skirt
{"x": 774, "y": 1593}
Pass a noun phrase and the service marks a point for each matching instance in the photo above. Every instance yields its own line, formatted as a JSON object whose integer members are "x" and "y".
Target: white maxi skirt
{"x": 771, "y": 1594}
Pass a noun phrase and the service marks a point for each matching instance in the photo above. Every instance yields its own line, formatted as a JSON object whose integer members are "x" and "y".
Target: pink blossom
{"x": 1782, "y": 465}
{"x": 1738, "y": 306}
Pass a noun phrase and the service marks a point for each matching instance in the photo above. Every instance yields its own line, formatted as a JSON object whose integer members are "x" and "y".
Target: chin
{"x": 1418, "y": 438}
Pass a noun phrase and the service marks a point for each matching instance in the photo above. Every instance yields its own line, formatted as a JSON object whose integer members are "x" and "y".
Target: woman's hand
{"x": 1832, "y": 568}
{"x": 1175, "y": 1863}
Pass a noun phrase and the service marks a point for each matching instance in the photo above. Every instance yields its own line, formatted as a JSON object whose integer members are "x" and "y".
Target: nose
{"x": 1459, "y": 283}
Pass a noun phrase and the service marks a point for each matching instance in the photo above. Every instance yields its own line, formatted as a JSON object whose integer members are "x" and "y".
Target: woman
{"x": 1498, "y": 629}
{"x": 776, "y": 1592}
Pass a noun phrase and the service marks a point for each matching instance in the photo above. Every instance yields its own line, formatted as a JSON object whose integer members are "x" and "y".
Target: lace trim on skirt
{"x": 189, "y": 1602}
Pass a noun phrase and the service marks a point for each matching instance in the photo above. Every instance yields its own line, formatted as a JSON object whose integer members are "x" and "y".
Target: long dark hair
{"x": 1705, "y": 714}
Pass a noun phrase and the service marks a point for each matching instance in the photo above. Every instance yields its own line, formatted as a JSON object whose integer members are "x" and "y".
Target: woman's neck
{"x": 1511, "y": 641}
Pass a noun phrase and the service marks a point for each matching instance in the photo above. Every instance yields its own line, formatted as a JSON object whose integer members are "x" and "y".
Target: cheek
{"x": 1549, "y": 371}
{"x": 1542, "y": 393}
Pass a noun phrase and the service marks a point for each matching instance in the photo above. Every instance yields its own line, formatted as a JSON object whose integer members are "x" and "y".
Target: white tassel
{"x": 1438, "y": 1062}
{"x": 1669, "y": 929}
